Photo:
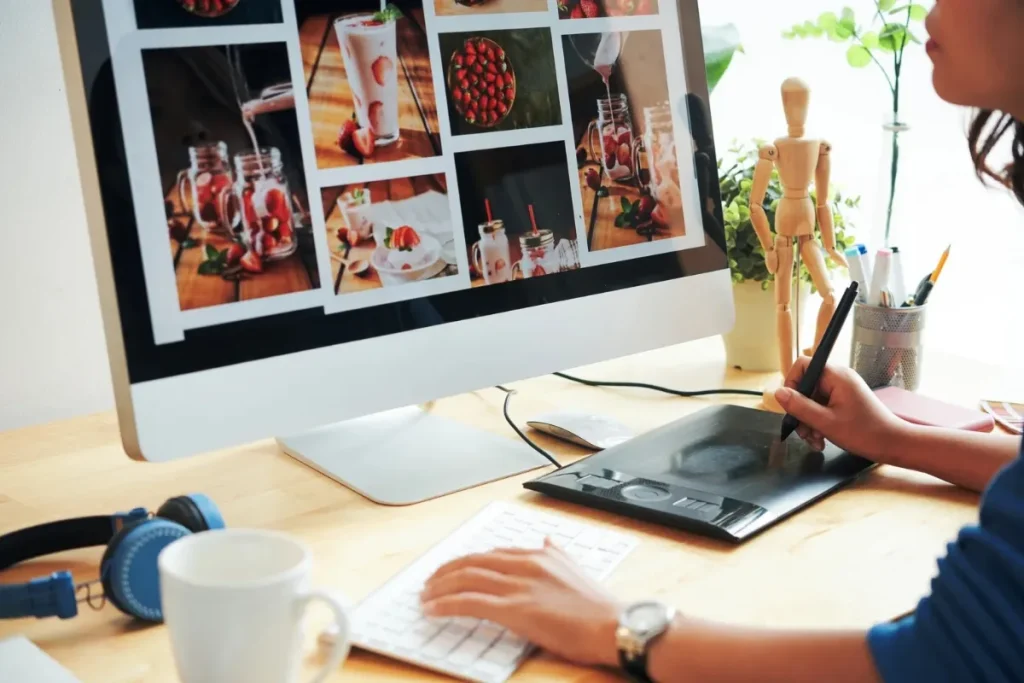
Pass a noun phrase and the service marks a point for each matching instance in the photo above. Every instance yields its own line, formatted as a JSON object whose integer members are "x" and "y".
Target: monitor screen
{"x": 284, "y": 175}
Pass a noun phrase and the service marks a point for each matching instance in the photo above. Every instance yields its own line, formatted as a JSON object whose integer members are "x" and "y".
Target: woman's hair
{"x": 984, "y": 137}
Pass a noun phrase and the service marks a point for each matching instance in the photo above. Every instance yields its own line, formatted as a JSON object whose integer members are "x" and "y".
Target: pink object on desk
{"x": 934, "y": 413}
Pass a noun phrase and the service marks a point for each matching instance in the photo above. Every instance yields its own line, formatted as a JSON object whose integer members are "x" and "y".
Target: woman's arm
{"x": 967, "y": 459}
{"x": 847, "y": 413}
{"x": 702, "y": 651}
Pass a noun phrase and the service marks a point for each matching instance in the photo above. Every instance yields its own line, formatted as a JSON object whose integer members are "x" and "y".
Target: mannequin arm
{"x": 822, "y": 179}
{"x": 762, "y": 175}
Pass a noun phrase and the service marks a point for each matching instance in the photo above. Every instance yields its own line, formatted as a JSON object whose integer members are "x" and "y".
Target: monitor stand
{"x": 407, "y": 456}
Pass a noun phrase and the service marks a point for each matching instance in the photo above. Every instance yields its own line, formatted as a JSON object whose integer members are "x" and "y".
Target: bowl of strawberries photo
{"x": 591, "y": 9}
{"x": 482, "y": 82}
{"x": 209, "y": 9}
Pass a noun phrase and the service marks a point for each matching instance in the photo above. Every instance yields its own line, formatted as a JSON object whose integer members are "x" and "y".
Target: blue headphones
{"x": 128, "y": 570}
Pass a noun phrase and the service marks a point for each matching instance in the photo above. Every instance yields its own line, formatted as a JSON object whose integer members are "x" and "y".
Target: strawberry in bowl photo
{"x": 209, "y": 9}
{"x": 482, "y": 82}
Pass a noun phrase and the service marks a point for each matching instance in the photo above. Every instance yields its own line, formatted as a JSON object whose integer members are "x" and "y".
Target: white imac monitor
{"x": 313, "y": 212}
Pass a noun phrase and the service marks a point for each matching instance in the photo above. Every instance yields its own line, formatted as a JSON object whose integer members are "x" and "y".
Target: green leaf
{"x": 625, "y": 204}
{"x": 847, "y": 15}
{"x": 885, "y": 5}
{"x": 721, "y": 43}
{"x": 222, "y": 257}
{"x": 858, "y": 57}
{"x": 390, "y": 13}
{"x": 620, "y": 220}
{"x": 870, "y": 40}
{"x": 893, "y": 37}
{"x": 387, "y": 237}
{"x": 211, "y": 253}
{"x": 211, "y": 268}
{"x": 828, "y": 21}
{"x": 812, "y": 29}
{"x": 189, "y": 243}
{"x": 917, "y": 12}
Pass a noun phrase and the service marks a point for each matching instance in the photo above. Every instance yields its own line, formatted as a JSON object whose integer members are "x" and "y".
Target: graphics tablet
{"x": 721, "y": 472}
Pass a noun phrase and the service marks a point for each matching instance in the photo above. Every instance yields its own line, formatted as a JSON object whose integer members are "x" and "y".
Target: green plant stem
{"x": 894, "y": 170}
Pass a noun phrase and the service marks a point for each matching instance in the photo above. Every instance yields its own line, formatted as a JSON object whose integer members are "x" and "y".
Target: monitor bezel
{"x": 148, "y": 376}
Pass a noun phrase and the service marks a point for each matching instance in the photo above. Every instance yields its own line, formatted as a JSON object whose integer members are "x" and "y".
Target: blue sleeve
{"x": 971, "y": 626}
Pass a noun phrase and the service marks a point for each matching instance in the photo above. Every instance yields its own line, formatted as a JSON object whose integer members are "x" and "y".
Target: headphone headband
{"x": 66, "y": 534}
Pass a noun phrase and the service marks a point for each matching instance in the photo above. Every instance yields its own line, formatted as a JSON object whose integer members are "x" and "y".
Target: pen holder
{"x": 887, "y": 346}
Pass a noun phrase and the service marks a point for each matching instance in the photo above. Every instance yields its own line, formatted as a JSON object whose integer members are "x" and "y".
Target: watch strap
{"x": 635, "y": 668}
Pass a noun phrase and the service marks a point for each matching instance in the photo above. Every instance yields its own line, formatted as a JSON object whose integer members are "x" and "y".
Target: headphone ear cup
{"x": 129, "y": 570}
{"x": 195, "y": 512}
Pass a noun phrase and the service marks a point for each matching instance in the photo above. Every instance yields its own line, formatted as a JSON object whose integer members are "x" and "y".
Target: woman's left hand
{"x": 541, "y": 595}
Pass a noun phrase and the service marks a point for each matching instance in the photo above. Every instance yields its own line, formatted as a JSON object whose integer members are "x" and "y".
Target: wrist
{"x": 664, "y": 655}
{"x": 897, "y": 445}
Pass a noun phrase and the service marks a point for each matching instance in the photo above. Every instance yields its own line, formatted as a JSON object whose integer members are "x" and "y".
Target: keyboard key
{"x": 441, "y": 645}
{"x": 490, "y": 671}
{"x": 503, "y": 654}
{"x": 468, "y": 652}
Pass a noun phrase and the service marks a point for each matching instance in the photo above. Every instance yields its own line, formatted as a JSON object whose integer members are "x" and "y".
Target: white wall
{"x": 52, "y": 359}
{"x": 53, "y": 363}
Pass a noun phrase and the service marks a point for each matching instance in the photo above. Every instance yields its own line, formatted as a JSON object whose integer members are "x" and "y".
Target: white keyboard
{"x": 390, "y": 622}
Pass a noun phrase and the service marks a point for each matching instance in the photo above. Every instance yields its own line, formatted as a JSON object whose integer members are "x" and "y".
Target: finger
{"x": 511, "y": 562}
{"x": 796, "y": 373}
{"x": 810, "y": 413}
{"x": 470, "y": 580}
{"x": 804, "y": 432}
{"x": 473, "y": 605}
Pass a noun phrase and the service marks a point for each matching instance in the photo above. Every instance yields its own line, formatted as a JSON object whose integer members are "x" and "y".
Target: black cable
{"x": 508, "y": 418}
{"x": 664, "y": 390}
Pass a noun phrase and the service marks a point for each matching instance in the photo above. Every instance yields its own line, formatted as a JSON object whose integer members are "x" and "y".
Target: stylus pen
{"x": 809, "y": 381}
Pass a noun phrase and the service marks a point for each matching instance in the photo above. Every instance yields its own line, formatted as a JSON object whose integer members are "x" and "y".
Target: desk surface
{"x": 863, "y": 555}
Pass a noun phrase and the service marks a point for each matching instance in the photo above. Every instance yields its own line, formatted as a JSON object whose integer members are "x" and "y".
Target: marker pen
{"x": 860, "y": 270}
{"x": 899, "y": 282}
{"x": 880, "y": 278}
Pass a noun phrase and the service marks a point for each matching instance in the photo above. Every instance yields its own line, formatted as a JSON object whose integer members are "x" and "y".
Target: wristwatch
{"x": 640, "y": 624}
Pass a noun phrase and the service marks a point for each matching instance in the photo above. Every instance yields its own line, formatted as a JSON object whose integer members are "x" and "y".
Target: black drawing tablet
{"x": 721, "y": 472}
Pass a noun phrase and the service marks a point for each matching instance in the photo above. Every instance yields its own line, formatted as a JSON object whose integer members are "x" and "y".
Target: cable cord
{"x": 664, "y": 390}
{"x": 508, "y": 418}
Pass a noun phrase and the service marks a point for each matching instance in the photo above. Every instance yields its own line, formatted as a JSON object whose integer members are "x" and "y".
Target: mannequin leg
{"x": 783, "y": 296}
{"x": 815, "y": 259}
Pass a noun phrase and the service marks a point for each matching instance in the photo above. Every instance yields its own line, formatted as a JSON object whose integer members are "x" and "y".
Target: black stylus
{"x": 809, "y": 381}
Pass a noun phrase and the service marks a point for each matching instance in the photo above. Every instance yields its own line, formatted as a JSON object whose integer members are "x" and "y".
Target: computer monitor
{"x": 447, "y": 195}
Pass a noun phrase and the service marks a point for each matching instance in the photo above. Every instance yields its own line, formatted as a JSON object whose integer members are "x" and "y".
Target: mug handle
{"x": 224, "y": 200}
{"x": 640, "y": 152}
{"x": 182, "y": 181}
{"x": 477, "y": 259}
{"x": 594, "y": 127}
{"x": 341, "y": 641}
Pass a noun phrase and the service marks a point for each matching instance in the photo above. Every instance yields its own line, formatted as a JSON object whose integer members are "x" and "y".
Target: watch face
{"x": 647, "y": 617}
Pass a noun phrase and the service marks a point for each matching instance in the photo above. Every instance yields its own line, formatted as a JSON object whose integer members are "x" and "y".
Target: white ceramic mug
{"x": 234, "y": 601}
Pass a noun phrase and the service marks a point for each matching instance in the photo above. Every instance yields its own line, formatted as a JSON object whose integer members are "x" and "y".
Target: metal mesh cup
{"x": 887, "y": 346}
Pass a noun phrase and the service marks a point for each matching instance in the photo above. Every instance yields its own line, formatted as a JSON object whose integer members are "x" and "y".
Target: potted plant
{"x": 752, "y": 344}
{"x": 882, "y": 42}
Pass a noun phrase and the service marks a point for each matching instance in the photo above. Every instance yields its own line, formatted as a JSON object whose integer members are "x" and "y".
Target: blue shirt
{"x": 971, "y": 627}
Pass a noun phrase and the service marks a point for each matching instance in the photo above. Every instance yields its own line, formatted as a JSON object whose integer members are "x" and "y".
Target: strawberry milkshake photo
{"x": 369, "y": 49}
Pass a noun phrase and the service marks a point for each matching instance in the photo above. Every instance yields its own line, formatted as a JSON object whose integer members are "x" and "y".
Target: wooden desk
{"x": 863, "y": 555}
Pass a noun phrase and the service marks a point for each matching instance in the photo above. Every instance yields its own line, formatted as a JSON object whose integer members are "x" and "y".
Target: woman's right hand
{"x": 844, "y": 411}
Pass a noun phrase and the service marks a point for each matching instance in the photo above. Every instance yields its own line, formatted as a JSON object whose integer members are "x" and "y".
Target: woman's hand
{"x": 844, "y": 411}
{"x": 541, "y": 595}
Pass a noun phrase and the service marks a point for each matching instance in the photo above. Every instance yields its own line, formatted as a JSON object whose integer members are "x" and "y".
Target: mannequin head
{"x": 795, "y": 100}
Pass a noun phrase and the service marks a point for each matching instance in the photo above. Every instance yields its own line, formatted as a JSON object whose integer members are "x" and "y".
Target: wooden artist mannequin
{"x": 800, "y": 161}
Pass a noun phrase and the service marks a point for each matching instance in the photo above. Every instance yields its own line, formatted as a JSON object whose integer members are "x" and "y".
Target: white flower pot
{"x": 753, "y": 345}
